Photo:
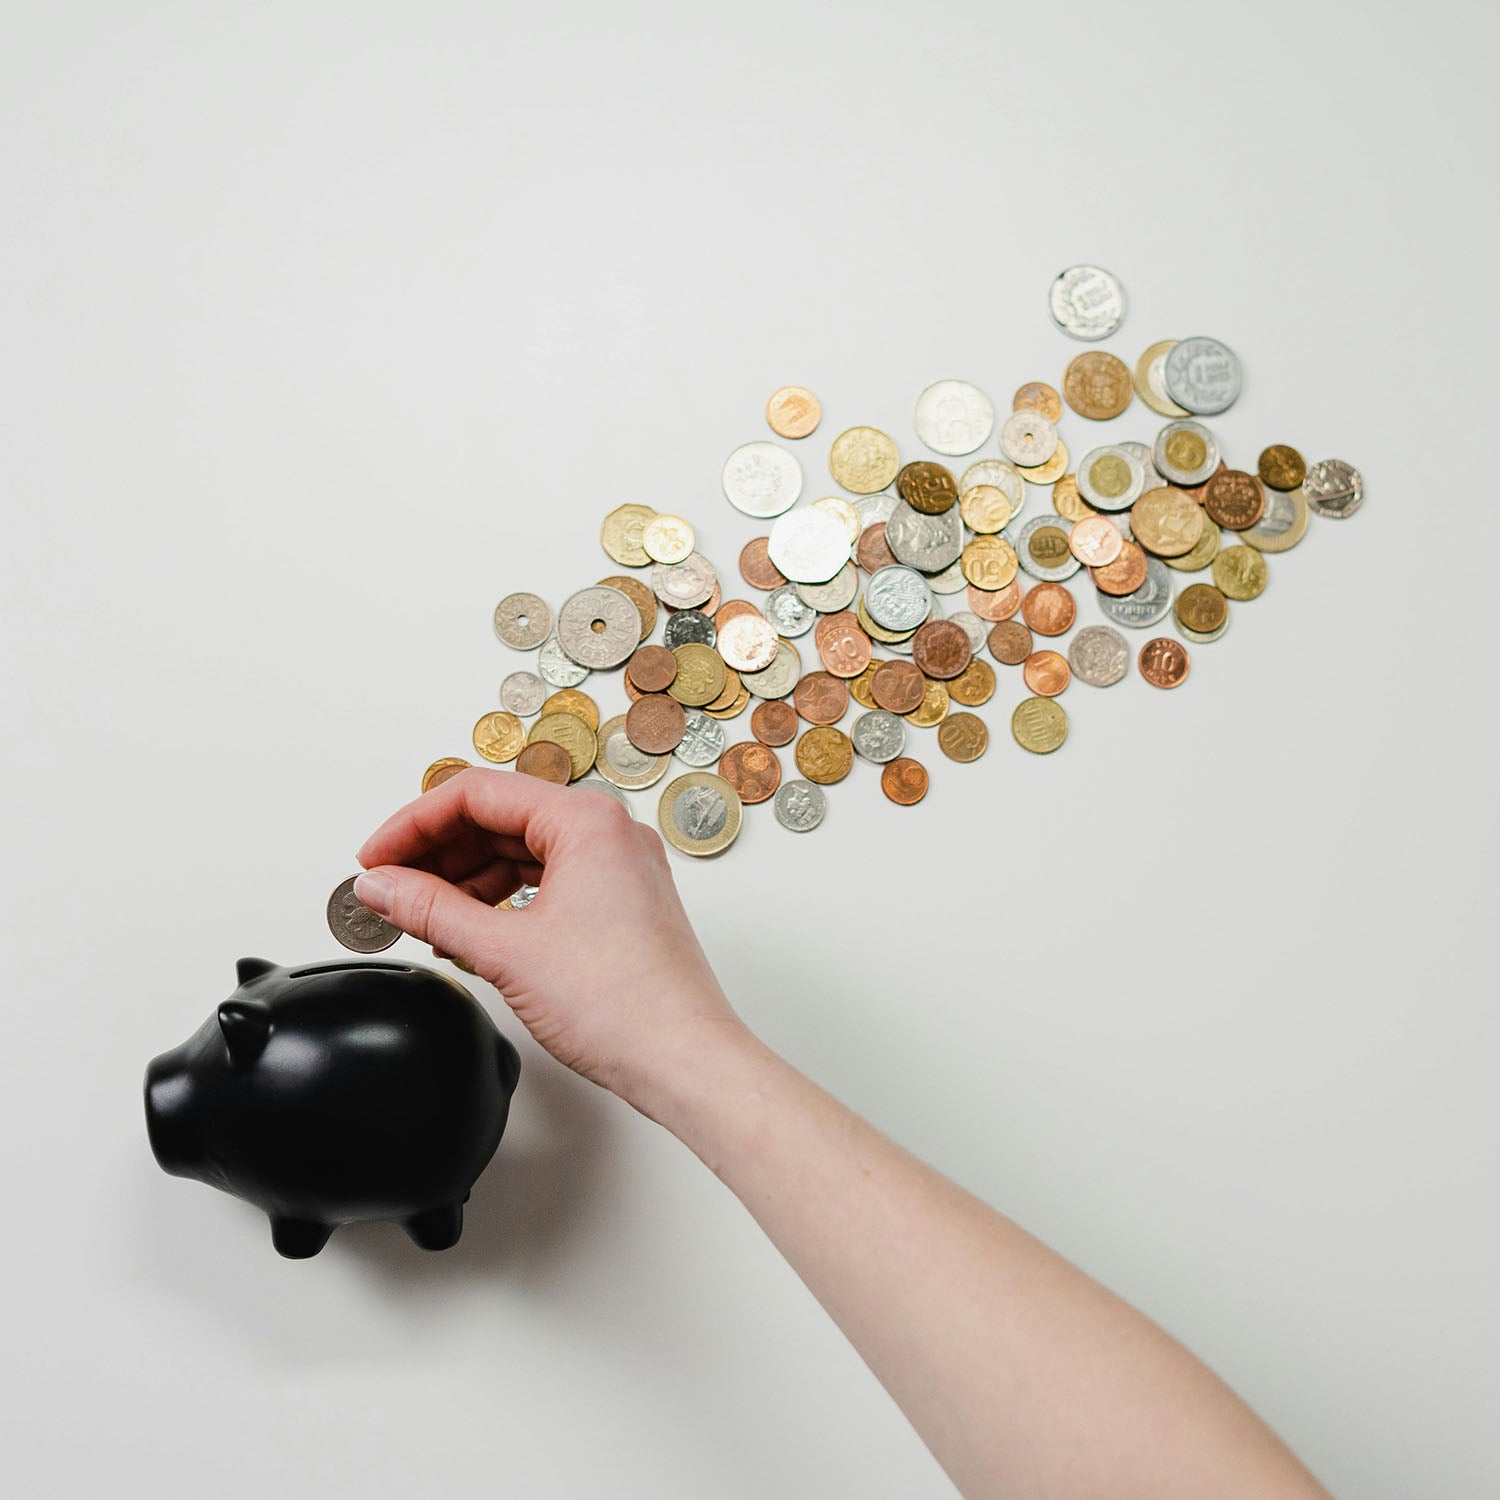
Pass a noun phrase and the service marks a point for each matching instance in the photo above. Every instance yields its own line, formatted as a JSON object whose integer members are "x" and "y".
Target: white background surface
{"x": 326, "y": 325}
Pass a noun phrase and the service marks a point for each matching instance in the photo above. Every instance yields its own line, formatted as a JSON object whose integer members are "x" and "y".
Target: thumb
{"x": 432, "y": 910}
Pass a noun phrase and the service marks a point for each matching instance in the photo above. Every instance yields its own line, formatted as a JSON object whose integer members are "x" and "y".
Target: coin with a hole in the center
{"x": 774, "y": 723}
{"x": 821, "y": 698}
{"x": 760, "y": 479}
{"x": 1049, "y": 609}
{"x": 639, "y": 595}
{"x": 1046, "y": 673}
{"x": 1164, "y": 662}
{"x": 752, "y": 770}
{"x": 1097, "y": 385}
{"x": 898, "y": 686}
{"x": 748, "y": 642}
{"x": 1096, "y": 541}
{"x": 700, "y": 813}
{"x": 1010, "y": 643}
{"x": 963, "y": 737}
{"x": 941, "y": 649}
{"x": 824, "y": 754}
{"x": 927, "y": 487}
{"x": 598, "y": 627}
{"x": 547, "y": 761}
{"x": 652, "y": 669}
{"x": 953, "y": 417}
{"x": 655, "y": 724}
{"x": 793, "y": 412}
{"x": 863, "y": 460}
{"x": 1028, "y": 438}
{"x": 499, "y": 736}
{"x": 1166, "y": 522}
{"x": 1039, "y": 725}
{"x": 904, "y": 781}
{"x": 523, "y": 621}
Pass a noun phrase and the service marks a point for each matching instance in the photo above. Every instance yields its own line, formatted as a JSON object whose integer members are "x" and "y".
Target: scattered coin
{"x": 522, "y": 621}
{"x": 1145, "y": 606}
{"x": 824, "y": 754}
{"x": 1049, "y": 609}
{"x": 1039, "y": 725}
{"x": 1042, "y": 549}
{"x": 1010, "y": 643}
{"x": 1046, "y": 673}
{"x": 984, "y": 508}
{"x": 499, "y": 737}
{"x": 898, "y": 686}
{"x": 878, "y": 736}
{"x": 963, "y": 737}
{"x": 844, "y": 512}
{"x": 996, "y": 606}
{"x": 1087, "y": 302}
{"x": 793, "y": 412}
{"x": 928, "y": 543}
{"x": 1039, "y": 396}
{"x": 774, "y": 723}
{"x": 689, "y": 627}
{"x": 1110, "y": 478}
{"x": 1096, "y": 541}
{"x": 655, "y": 724}
{"x": 821, "y": 698}
{"x": 1201, "y": 608}
{"x": 927, "y": 487}
{"x": 941, "y": 649}
{"x": 575, "y": 735}
{"x": 1334, "y": 489}
{"x": 1202, "y": 551}
{"x": 871, "y": 551}
{"x": 668, "y": 539}
{"x": 800, "y": 805}
{"x": 808, "y": 545}
{"x": 748, "y": 643}
{"x": 598, "y": 627}
{"x": 777, "y": 680}
{"x": 1186, "y": 453}
{"x": 442, "y": 770}
{"x": 522, "y": 693}
{"x": 1124, "y": 575}
{"x": 639, "y": 595}
{"x": 1051, "y": 471}
{"x": 1235, "y": 499}
{"x": 953, "y": 417}
{"x": 621, "y": 763}
{"x": 933, "y": 708}
{"x": 1099, "y": 656}
{"x": 700, "y": 813}
{"x": 1203, "y": 375}
{"x": 904, "y": 781}
{"x": 752, "y": 770}
{"x": 756, "y": 567}
{"x": 975, "y": 684}
{"x": 863, "y": 460}
{"x": 838, "y": 593}
{"x": 701, "y": 675}
{"x": 1240, "y": 573}
{"x": 1163, "y": 662}
{"x": 355, "y": 925}
{"x": 1097, "y": 385}
{"x": 621, "y": 534}
{"x": 843, "y": 648}
{"x": 702, "y": 741}
{"x": 1167, "y": 522}
{"x": 760, "y": 479}
{"x": 1281, "y": 467}
{"x": 684, "y": 585}
{"x": 652, "y": 669}
{"x": 546, "y": 760}
{"x": 1028, "y": 438}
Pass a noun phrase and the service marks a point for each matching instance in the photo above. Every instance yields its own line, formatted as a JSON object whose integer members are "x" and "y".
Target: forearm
{"x": 1023, "y": 1375}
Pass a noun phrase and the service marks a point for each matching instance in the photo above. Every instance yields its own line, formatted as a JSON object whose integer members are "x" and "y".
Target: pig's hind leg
{"x": 436, "y": 1228}
{"x": 298, "y": 1238}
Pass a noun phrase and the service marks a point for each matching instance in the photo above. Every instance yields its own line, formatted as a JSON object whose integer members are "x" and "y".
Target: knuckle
{"x": 606, "y": 815}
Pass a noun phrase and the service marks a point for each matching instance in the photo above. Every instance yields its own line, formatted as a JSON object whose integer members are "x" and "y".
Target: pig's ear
{"x": 252, "y": 968}
{"x": 246, "y": 1025}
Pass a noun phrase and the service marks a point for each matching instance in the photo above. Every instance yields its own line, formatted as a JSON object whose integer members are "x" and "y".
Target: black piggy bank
{"x": 335, "y": 1092}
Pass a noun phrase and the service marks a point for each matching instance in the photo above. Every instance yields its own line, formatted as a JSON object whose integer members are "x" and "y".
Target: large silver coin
{"x": 599, "y": 626}
{"x": 1118, "y": 482}
{"x": 1087, "y": 302}
{"x": 777, "y": 680}
{"x": 558, "y": 668}
{"x": 684, "y": 585}
{"x": 1028, "y": 438}
{"x": 873, "y": 508}
{"x": 523, "y": 693}
{"x": 1334, "y": 488}
{"x": 878, "y": 736}
{"x": 977, "y": 630}
{"x": 1202, "y": 375}
{"x": 1099, "y": 656}
{"x": 689, "y": 627}
{"x": 762, "y": 479}
{"x": 1066, "y": 565}
{"x": 927, "y": 543}
{"x": 954, "y": 417}
{"x": 799, "y": 805}
{"x": 1149, "y": 605}
{"x": 785, "y": 609}
{"x": 523, "y": 621}
{"x": 950, "y": 580}
{"x": 621, "y": 763}
{"x": 1004, "y": 476}
{"x": 355, "y": 925}
{"x": 702, "y": 741}
{"x": 808, "y": 545}
{"x": 1171, "y": 472}
{"x": 898, "y": 598}
{"x": 838, "y": 593}
{"x": 1141, "y": 452}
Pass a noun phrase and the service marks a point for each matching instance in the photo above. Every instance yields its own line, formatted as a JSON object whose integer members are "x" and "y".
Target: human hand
{"x": 603, "y": 967}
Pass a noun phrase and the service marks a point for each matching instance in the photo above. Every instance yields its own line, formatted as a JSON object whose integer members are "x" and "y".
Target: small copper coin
{"x": 996, "y": 605}
{"x": 1202, "y": 607}
{"x": 756, "y": 567}
{"x": 927, "y": 487}
{"x": 1010, "y": 643}
{"x": 843, "y": 648}
{"x": 774, "y": 723}
{"x": 1124, "y": 575}
{"x": 1047, "y": 673}
{"x": 1049, "y": 609}
{"x": 1200, "y": 491}
{"x": 1039, "y": 396}
{"x": 652, "y": 669}
{"x": 941, "y": 649}
{"x": 904, "y": 781}
{"x": 792, "y": 412}
{"x": 1098, "y": 385}
{"x": 963, "y": 737}
{"x": 546, "y": 760}
{"x": 1096, "y": 541}
{"x": 1163, "y": 662}
{"x": 442, "y": 770}
{"x": 872, "y": 551}
{"x": 1235, "y": 499}
{"x": 732, "y": 609}
{"x": 1281, "y": 467}
{"x": 655, "y": 724}
{"x": 821, "y": 698}
{"x": 898, "y": 686}
{"x": 752, "y": 770}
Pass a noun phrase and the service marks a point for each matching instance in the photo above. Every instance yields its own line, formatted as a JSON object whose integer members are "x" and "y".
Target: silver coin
{"x": 621, "y": 763}
{"x": 702, "y": 741}
{"x": 1135, "y": 482}
{"x": 927, "y": 543}
{"x": 689, "y": 626}
{"x": 954, "y": 417}
{"x": 599, "y": 626}
{"x": 1004, "y": 476}
{"x": 777, "y": 680}
{"x": 522, "y": 898}
{"x": 762, "y": 479}
{"x": 1028, "y": 438}
{"x": 1099, "y": 656}
{"x": 977, "y": 630}
{"x": 1087, "y": 303}
{"x": 1149, "y": 605}
{"x": 1186, "y": 477}
{"x": 878, "y": 736}
{"x": 686, "y": 584}
{"x": 873, "y": 508}
{"x": 897, "y": 598}
{"x": 355, "y": 925}
{"x": 838, "y": 593}
{"x": 700, "y": 812}
{"x": 808, "y": 545}
{"x": 599, "y": 784}
{"x": 785, "y": 609}
{"x": 1048, "y": 573}
{"x": 1202, "y": 375}
{"x": 1203, "y": 637}
{"x": 950, "y": 581}
{"x": 523, "y": 693}
{"x": 523, "y": 621}
{"x": 748, "y": 642}
{"x": 1334, "y": 488}
{"x": 799, "y": 805}
{"x": 1141, "y": 453}
{"x": 558, "y": 668}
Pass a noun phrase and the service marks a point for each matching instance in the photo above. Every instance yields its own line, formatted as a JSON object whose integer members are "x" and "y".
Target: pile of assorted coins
{"x": 858, "y": 579}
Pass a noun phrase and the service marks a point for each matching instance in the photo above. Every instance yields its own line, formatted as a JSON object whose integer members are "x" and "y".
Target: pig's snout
{"x": 170, "y": 1116}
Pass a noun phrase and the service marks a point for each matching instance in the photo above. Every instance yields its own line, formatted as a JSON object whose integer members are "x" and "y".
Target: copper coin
{"x": 1124, "y": 575}
{"x": 1163, "y": 662}
{"x": 1098, "y": 385}
{"x": 842, "y": 646}
{"x": 821, "y": 698}
{"x": 963, "y": 737}
{"x": 793, "y": 412}
{"x": 1047, "y": 673}
{"x": 652, "y": 669}
{"x": 898, "y": 687}
{"x": 1202, "y": 607}
{"x": 774, "y": 723}
{"x": 1039, "y": 396}
{"x": 756, "y": 567}
{"x": 941, "y": 649}
{"x": 631, "y": 690}
{"x": 547, "y": 760}
{"x": 639, "y": 595}
{"x": 904, "y": 780}
{"x": 655, "y": 724}
{"x": 1010, "y": 643}
{"x": 1049, "y": 609}
{"x": 731, "y": 609}
{"x": 1096, "y": 541}
{"x": 927, "y": 487}
{"x": 1282, "y": 467}
{"x": 751, "y": 769}
{"x": 872, "y": 550}
{"x": 442, "y": 770}
{"x": 1200, "y": 491}
{"x": 998, "y": 605}
{"x": 1235, "y": 499}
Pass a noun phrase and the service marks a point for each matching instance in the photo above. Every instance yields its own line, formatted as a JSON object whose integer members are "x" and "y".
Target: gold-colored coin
{"x": 1049, "y": 546}
{"x": 638, "y": 594}
{"x": 793, "y": 411}
{"x": 1185, "y": 450}
{"x": 571, "y": 701}
{"x": 989, "y": 562}
{"x": 499, "y": 737}
{"x": 621, "y": 534}
{"x": 734, "y": 709}
{"x": 933, "y": 708}
{"x": 1154, "y": 392}
{"x": 963, "y": 737}
{"x": 843, "y": 512}
{"x": 668, "y": 539}
{"x": 700, "y": 813}
{"x": 1067, "y": 501}
{"x": 1037, "y": 395}
{"x": 859, "y": 687}
{"x": 1097, "y": 385}
{"x": 442, "y": 770}
{"x": 574, "y": 734}
{"x": 1039, "y": 725}
{"x": 985, "y": 509}
{"x": 974, "y": 685}
{"x": 863, "y": 460}
{"x": 701, "y": 674}
{"x": 1109, "y": 475}
{"x": 1167, "y": 522}
{"x": 1049, "y": 472}
{"x": 824, "y": 754}
{"x": 1202, "y": 608}
{"x": 1264, "y": 540}
{"x": 879, "y": 632}
{"x": 1241, "y": 573}
{"x": 731, "y": 691}
{"x": 1202, "y": 553}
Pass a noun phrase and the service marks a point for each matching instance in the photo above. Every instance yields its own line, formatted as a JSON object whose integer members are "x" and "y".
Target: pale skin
{"x": 1024, "y": 1376}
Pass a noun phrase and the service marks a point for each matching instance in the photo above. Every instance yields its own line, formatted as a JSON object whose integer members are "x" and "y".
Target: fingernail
{"x": 378, "y": 892}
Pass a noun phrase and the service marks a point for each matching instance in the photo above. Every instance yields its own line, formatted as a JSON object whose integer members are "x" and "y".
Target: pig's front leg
{"x": 437, "y": 1228}
{"x": 298, "y": 1238}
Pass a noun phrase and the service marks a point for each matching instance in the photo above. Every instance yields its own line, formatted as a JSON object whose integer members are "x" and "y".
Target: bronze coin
{"x": 655, "y": 724}
{"x": 652, "y": 669}
{"x": 1048, "y": 546}
{"x": 1049, "y": 609}
{"x": 824, "y": 754}
{"x": 639, "y": 595}
{"x": 731, "y": 609}
{"x": 1235, "y": 499}
{"x": 774, "y": 722}
{"x": 751, "y": 769}
{"x": 904, "y": 780}
{"x": 1124, "y": 575}
{"x": 872, "y": 551}
{"x": 963, "y": 737}
{"x": 821, "y": 698}
{"x": 1098, "y": 385}
{"x": 1010, "y": 643}
{"x": 998, "y": 605}
{"x": 546, "y": 760}
{"x": 941, "y": 649}
{"x": 1282, "y": 467}
{"x": 442, "y": 770}
{"x": 842, "y": 646}
{"x": 631, "y": 690}
{"x": 927, "y": 487}
{"x": 898, "y": 686}
{"x": 1163, "y": 662}
{"x": 756, "y": 567}
{"x": 974, "y": 685}
{"x": 1047, "y": 673}
{"x": 1037, "y": 395}
{"x": 1202, "y": 607}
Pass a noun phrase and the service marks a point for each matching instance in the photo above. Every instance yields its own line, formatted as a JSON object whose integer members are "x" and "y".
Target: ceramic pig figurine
{"x": 335, "y": 1092}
